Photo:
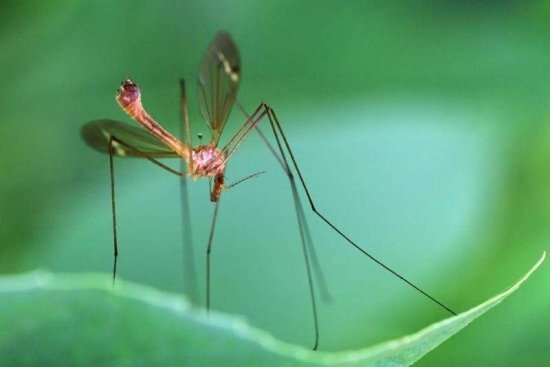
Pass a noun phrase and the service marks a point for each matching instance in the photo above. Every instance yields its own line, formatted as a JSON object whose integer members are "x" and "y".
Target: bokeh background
{"x": 421, "y": 127}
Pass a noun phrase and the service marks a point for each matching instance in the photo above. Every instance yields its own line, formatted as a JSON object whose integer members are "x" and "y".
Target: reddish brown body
{"x": 205, "y": 161}
{"x": 219, "y": 185}
{"x": 208, "y": 161}
{"x": 202, "y": 161}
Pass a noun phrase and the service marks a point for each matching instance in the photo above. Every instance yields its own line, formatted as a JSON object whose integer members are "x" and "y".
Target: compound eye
{"x": 127, "y": 93}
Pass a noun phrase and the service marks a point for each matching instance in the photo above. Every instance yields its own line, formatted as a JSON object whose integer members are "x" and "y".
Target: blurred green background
{"x": 421, "y": 127}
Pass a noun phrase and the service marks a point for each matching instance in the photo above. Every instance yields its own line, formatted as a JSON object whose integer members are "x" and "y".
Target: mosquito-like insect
{"x": 218, "y": 81}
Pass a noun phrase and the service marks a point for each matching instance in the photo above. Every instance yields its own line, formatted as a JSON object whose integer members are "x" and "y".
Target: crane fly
{"x": 218, "y": 81}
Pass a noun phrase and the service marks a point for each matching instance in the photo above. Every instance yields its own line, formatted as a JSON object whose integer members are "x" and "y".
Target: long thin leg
{"x": 208, "y": 258}
{"x": 233, "y": 149}
{"x": 113, "y": 140}
{"x": 146, "y": 156}
{"x": 305, "y": 236}
{"x": 237, "y": 139}
{"x": 308, "y": 269}
{"x": 276, "y": 127}
{"x": 239, "y": 134}
{"x": 113, "y": 207}
{"x": 190, "y": 273}
{"x": 325, "y": 293}
{"x": 186, "y": 126}
{"x": 319, "y": 275}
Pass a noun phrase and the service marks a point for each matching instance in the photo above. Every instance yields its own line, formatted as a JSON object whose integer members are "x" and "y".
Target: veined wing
{"x": 218, "y": 81}
{"x": 98, "y": 132}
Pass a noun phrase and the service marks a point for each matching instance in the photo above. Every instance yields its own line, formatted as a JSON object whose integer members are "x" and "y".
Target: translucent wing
{"x": 98, "y": 132}
{"x": 218, "y": 81}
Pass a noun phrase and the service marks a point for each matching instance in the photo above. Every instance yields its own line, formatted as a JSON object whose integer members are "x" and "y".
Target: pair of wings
{"x": 218, "y": 82}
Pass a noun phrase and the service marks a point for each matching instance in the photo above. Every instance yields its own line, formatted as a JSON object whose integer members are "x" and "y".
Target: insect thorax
{"x": 206, "y": 160}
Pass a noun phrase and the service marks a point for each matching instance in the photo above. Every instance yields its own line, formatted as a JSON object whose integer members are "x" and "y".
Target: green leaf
{"x": 80, "y": 320}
